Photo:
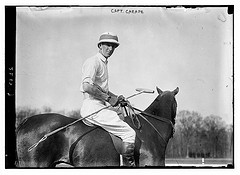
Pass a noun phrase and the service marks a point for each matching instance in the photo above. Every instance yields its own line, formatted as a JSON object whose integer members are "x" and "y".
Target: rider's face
{"x": 106, "y": 49}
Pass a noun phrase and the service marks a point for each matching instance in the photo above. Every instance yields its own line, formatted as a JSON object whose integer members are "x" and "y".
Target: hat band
{"x": 103, "y": 37}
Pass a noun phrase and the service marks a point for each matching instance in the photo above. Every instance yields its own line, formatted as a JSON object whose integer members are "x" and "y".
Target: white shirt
{"x": 94, "y": 71}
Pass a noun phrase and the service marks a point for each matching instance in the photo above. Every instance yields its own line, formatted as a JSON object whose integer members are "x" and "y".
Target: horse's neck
{"x": 154, "y": 108}
{"x": 160, "y": 109}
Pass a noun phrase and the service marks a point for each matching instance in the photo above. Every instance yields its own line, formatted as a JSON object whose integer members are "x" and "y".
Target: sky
{"x": 165, "y": 47}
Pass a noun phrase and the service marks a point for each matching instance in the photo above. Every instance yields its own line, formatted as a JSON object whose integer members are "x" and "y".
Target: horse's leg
{"x": 95, "y": 149}
{"x": 136, "y": 157}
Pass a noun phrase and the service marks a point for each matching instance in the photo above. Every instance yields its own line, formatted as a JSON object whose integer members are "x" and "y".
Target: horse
{"x": 80, "y": 145}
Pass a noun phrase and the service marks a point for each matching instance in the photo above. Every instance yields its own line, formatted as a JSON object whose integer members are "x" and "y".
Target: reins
{"x": 155, "y": 117}
{"x": 152, "y": 116}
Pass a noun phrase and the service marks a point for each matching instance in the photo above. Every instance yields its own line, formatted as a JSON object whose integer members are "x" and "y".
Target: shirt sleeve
{"x": 89, "y": 71}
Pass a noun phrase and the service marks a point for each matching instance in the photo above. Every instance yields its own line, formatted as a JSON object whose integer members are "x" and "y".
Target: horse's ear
{"x": 176, "y": 91}
{"x": 159, "y": 91}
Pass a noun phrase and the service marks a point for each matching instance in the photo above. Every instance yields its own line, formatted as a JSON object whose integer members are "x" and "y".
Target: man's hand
{"x": 121, "y": 98}
{"x": 122, "y": 101}
{"x": 114, "y": 101}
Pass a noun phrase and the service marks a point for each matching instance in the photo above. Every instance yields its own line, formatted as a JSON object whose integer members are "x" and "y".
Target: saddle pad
{"x": 117, "y": 142}
{"x": 88, "y": 123}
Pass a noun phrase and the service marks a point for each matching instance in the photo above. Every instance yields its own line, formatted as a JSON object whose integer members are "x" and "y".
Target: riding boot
{"x": 128, "y": 154}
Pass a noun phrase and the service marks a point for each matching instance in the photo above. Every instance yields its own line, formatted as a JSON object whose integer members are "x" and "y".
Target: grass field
{"x": 199, "y": 162}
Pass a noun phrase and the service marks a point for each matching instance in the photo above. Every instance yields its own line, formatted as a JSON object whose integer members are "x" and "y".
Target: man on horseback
{"x": 96, "y": 96}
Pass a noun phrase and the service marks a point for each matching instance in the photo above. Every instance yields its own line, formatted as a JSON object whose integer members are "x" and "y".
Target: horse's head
{"x": 165, "y": 105}
{"x": 164, "y": 108}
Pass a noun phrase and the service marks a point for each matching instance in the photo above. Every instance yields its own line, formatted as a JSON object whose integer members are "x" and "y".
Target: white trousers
{"x": 107, "y": 119}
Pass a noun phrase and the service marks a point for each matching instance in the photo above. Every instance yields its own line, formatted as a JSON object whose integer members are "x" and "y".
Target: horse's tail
{"x": 16, "y": 134}
{"x": 21, "y": 124}
{"x": 16, "y": 160}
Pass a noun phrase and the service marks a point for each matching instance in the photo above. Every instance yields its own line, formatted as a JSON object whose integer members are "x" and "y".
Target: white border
{"x": 116, "y": 171}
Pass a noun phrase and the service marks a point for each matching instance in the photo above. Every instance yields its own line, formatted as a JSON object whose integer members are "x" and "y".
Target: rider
{"x": 96, "y": 96}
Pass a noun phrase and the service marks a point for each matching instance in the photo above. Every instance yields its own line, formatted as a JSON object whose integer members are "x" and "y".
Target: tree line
{"x": 194, "y": 137}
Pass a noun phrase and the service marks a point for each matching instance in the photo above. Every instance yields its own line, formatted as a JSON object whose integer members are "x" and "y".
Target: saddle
{"x": 117, "y": 141}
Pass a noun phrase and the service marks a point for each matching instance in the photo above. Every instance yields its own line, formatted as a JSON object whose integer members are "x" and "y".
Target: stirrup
{"x": 129, "y": 161}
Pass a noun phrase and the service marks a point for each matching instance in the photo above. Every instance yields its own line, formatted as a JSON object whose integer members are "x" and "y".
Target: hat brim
{"x": 109, "y": 41}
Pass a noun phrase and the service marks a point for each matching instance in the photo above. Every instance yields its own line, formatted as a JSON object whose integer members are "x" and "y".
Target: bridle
{"x": 161, "y": 119}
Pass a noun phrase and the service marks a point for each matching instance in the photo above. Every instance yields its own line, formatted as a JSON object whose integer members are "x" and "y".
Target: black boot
{"x": 128, "y": 154}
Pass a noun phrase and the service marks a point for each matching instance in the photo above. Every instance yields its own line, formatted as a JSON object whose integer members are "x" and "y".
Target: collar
{"x": 102, "y": 58}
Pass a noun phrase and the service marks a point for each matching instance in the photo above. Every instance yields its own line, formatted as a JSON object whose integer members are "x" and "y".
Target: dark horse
{"x": 80, "y": 145}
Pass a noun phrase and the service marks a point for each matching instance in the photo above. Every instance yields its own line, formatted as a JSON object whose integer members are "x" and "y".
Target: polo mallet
{"x": 140, "y": 91}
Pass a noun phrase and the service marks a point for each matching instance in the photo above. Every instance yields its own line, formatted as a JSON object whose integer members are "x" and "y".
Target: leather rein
{"x": 152, "y": 116}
